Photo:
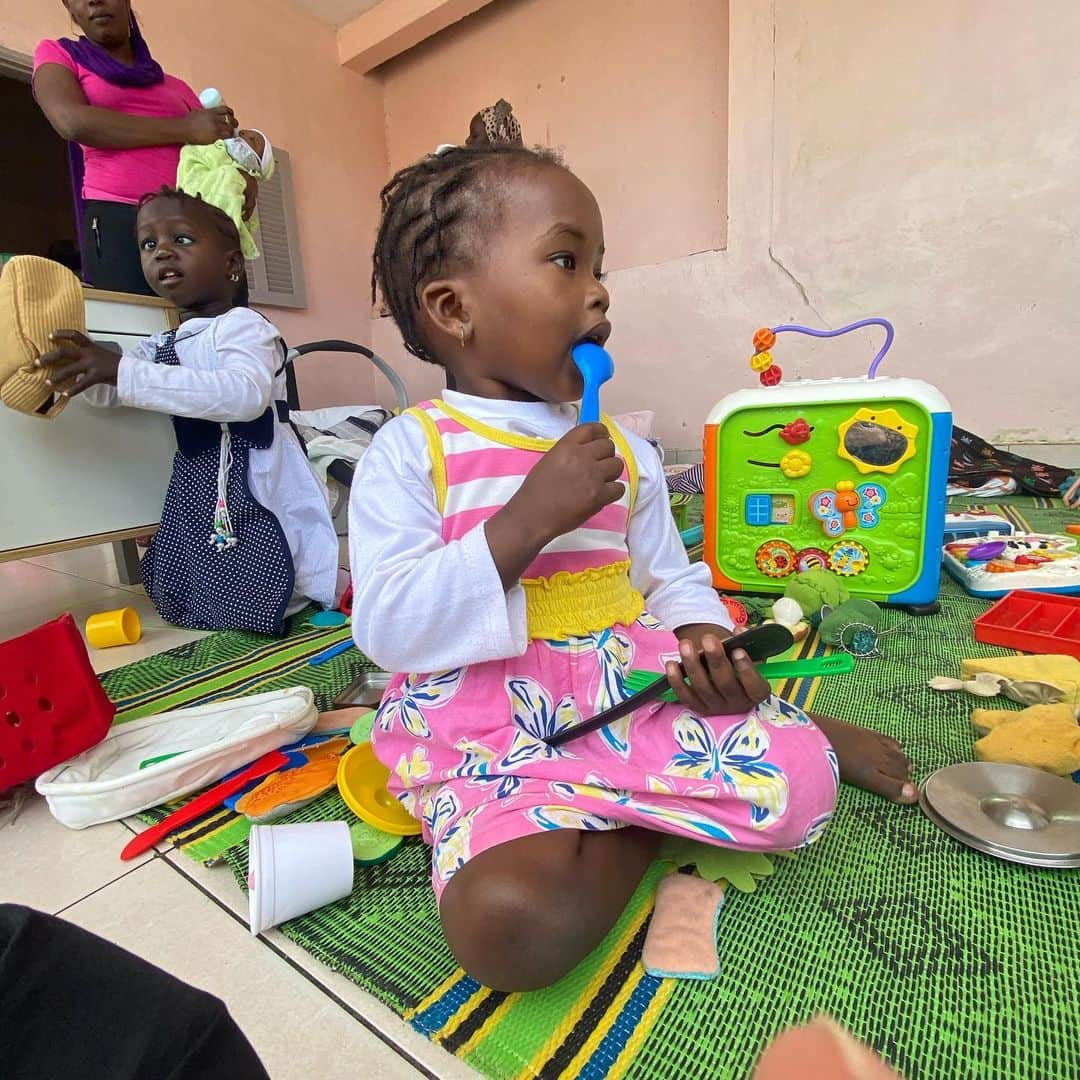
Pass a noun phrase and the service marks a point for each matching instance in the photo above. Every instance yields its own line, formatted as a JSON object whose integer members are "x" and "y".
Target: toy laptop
{"x": 993, "y": 565}
{"x": 844, "y": 474}
{"x": 975, "y": 522}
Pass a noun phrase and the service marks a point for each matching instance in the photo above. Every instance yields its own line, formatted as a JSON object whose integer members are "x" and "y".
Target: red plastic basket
{"x": 52, "y": 706}
{"x": 1034, "y": 622}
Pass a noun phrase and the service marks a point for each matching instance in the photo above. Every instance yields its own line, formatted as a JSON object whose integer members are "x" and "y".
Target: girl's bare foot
{"x": 870, "y": 760}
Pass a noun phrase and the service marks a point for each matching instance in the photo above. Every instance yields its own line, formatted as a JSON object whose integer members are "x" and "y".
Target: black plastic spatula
{"x": 759, "y": 644}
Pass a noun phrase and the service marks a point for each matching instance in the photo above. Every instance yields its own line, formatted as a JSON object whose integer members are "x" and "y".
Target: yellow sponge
{"x": 1063, "y": 671}
{"x": 37, "y": 297}
{"x": 1043, "y": 737}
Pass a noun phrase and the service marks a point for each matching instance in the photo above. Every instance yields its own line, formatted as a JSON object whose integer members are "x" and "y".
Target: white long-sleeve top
{"x": 420, "y": 604}
{"x": 230, "y": 371}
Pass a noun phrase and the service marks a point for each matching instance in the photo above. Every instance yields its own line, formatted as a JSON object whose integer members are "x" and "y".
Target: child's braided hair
{"x": 435, "y": 214}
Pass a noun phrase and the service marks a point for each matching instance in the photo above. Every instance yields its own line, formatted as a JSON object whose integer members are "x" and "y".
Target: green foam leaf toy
{"x": 740, "y": 869}
{"x": 370, "y": 845}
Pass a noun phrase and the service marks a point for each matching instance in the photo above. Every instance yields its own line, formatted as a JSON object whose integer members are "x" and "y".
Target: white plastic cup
{"x": 294, "y": 869}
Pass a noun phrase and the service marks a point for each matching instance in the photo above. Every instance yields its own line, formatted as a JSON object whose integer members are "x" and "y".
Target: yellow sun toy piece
{"x": 877, "y": 440}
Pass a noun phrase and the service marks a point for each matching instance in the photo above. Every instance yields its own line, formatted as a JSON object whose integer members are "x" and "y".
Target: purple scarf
{"x": 146, "y": 71}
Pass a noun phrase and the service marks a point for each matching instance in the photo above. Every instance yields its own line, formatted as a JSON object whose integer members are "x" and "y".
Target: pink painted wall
{"x": 826, "y": 159}
{"x": 278, "y": 67}
{"x": 914, "y": 160}
{"x": 595, "y": 81}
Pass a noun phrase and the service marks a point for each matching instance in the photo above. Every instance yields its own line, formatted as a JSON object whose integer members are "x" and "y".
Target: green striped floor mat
{"x": 949, "y": 963}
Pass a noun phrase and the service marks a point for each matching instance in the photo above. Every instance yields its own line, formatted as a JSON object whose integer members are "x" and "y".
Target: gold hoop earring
{"x": 462, "y": 329}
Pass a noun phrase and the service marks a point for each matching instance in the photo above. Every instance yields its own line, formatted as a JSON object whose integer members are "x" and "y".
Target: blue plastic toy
{"x": 596, "y": 367}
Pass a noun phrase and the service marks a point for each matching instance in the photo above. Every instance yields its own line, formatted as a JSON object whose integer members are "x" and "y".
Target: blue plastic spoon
{"x": 596, "y": 367}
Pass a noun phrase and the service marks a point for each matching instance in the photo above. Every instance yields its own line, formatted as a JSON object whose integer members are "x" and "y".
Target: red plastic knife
{"x": 206, "y": 801}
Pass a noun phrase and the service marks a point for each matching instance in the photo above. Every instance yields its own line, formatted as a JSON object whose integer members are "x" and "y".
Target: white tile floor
{"x": 303, "y": 1019}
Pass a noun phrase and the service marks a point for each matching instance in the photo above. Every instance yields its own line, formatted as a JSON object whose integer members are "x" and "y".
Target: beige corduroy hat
{"x": 37, "y": 297}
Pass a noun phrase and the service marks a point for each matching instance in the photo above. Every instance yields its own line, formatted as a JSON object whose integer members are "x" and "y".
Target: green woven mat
{"x": 949, "y": 963}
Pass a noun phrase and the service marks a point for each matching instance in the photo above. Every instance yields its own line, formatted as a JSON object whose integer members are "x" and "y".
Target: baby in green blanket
{"x": 227, "y": 174}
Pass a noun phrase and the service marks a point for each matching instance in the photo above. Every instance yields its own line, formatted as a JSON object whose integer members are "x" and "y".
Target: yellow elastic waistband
{"x": 568, "y": 605}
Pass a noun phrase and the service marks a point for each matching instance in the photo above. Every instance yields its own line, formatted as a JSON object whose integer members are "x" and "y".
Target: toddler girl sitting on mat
{"x": 513, "y": 565}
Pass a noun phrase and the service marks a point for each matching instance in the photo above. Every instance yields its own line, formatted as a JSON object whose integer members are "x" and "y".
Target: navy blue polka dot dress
{"x": 236, "y": 577}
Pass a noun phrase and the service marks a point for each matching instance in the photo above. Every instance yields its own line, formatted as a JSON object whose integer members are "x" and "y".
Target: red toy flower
{"x": 771, "y": 376}
{"x": 798, "y": 431}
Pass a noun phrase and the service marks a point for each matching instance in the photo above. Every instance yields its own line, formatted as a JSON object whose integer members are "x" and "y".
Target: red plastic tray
{"x": 1034, "y": 622}
{"x": 52, "y": 706}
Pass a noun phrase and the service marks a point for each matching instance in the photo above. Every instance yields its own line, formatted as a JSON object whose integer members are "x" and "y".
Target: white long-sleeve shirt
{"x": 230, "y": 372}
{"x": 420, "y": 604}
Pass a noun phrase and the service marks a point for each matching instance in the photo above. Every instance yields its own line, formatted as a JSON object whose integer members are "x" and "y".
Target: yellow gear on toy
{"x": 848, "y": 558}
{"x": 761, "y": 361}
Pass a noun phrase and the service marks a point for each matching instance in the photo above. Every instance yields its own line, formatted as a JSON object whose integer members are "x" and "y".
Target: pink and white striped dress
{"x": 465, "y": 747}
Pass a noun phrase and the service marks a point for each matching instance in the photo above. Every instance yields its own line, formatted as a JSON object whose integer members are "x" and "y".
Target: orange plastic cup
{"x": 109, "y": 628}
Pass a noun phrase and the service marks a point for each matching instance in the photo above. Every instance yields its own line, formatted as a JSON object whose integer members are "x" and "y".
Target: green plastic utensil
{"x": 811, "y": 667}
{"x": 161, "y": 757}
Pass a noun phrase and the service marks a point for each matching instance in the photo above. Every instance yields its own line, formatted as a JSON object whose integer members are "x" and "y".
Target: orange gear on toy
{"x": 761, "y": 361}
{"x": 775, "y": 558}
{"x": 764, "y": 339}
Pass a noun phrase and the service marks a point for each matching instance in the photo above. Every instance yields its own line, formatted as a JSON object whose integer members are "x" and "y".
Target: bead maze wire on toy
{"x": 762, "y": 361}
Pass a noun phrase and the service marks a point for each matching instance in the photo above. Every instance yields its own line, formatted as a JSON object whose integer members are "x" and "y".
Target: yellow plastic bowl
{"x": 361, "y": 779}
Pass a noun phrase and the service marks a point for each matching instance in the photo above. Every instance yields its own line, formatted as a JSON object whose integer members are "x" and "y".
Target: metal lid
{"x": 1008, "y": 811}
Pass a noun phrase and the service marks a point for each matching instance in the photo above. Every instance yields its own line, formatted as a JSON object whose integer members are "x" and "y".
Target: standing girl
{"x": 246, "y": 536}
{"x": 125, "y": 120}
{"x": 514, "y": 565}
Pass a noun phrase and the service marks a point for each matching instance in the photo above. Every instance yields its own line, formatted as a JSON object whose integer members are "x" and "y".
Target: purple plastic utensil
{"x": 985, "y": 552}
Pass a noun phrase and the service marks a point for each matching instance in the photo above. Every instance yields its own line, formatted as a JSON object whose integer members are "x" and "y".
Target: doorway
{"x": 37, "y": 212}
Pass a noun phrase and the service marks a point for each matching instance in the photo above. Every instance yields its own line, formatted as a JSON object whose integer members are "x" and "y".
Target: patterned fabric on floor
{"x": 949, "y": 963}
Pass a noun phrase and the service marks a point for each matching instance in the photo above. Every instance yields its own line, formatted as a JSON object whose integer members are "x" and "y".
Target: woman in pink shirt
{"x": 126, "y": 120}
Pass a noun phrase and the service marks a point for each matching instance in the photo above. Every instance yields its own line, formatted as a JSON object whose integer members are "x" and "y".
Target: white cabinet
{"x": 89, "y": 475}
